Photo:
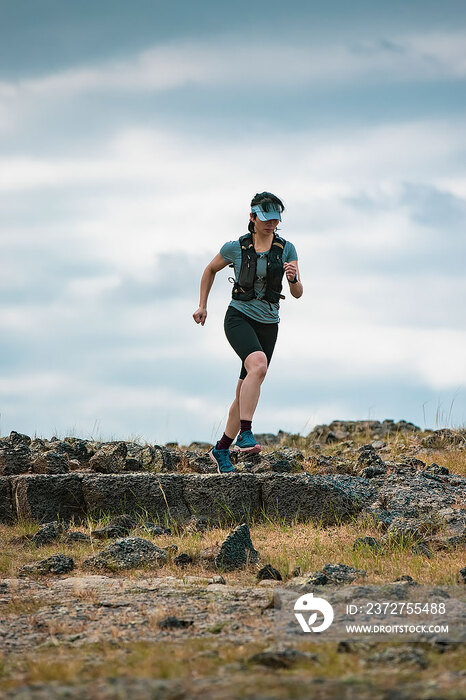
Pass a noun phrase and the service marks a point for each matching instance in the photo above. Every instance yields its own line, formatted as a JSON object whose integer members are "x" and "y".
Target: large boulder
{"x": 304, "y": 497}
{"x": 220, "y": 499}
{"x": 50, "y": 463}
{"x": 110, "y": 459}
{"x": 158, "y": 495}
{"x": 47, "y": 497}
{"x": 15, "y": 454}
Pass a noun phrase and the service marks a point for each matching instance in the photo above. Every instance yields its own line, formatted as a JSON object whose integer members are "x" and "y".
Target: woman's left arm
{"x": 292, "y": 272}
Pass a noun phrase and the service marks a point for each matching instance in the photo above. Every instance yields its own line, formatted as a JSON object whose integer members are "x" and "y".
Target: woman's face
{"x": 264, "y": 228}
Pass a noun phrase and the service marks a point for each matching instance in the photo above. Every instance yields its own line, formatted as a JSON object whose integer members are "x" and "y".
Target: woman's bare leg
{"x": 256, "y": 365}
{"x": 233, "y": 423}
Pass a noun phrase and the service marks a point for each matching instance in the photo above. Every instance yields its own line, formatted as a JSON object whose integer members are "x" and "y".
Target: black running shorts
{"x": 246, "y": 335}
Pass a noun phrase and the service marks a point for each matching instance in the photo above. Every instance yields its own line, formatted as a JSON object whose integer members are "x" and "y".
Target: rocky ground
{"x": 157, "y": 596}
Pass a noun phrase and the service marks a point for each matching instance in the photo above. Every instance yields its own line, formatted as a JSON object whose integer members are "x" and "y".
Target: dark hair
{"x": 268, "y": 201}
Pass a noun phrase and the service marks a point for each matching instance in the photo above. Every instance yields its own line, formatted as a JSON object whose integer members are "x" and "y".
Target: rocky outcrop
{"x": 445, "y": 438}
{"x": 126, "y": 553}
{"x": 373, "y": 429}
{"x": 270, "y": 439}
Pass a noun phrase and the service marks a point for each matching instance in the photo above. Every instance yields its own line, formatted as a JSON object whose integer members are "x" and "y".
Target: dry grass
{"x": 196, "y": 658}
{"x": 398, "y": 445}
{"x": 454, "y": 460}
{"x": 284, "y": 546}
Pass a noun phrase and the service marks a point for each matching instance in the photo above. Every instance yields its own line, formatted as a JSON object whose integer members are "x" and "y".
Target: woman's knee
{"x": 256, "y": 363}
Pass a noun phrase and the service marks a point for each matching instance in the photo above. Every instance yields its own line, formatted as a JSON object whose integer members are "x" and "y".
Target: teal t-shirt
{"x": 259, "y": 309}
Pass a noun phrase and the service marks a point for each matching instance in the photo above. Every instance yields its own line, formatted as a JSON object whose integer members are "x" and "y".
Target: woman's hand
{"x": 291, "y": 271}
{"x": 200, "y": 315}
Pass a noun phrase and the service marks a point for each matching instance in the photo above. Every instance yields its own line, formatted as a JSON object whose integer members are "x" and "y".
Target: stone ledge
{"x": 218, "y": 498}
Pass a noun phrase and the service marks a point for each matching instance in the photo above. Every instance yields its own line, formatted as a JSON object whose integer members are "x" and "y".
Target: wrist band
{"x": 295, "y": 280}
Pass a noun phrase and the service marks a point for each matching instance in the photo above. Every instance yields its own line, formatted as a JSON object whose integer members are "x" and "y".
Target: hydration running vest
{"x": 243, "y": 289}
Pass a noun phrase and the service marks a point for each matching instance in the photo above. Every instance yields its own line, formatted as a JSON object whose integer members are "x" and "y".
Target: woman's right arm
{"x": 207, "y": 280}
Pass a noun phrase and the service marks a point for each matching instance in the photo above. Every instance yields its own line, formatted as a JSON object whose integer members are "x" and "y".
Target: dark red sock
{"x": 224, "y": 442}
{"x": 246, "y": 425}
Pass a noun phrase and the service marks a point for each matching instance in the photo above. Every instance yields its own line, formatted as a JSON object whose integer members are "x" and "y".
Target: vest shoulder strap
{"x": 279, "y": 241}
{"x": 246, "y": 241}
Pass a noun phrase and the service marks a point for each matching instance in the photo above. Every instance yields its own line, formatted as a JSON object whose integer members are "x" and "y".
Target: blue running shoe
{"x": 222, "y": 459}
{"x": 245, "y": 443}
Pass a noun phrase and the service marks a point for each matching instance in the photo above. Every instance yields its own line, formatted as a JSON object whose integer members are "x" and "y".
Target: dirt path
{"x": 99, "y": 637}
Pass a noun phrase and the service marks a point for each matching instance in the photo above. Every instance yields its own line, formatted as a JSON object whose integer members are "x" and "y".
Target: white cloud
{"x": 231, "y": 61}
{"x": 434, "y": 356}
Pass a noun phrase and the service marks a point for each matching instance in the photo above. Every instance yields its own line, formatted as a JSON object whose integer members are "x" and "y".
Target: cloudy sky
{"x": 132, "y": 138}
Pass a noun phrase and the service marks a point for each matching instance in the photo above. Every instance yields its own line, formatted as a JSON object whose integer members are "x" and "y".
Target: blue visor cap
{"x": 266, "y": 215}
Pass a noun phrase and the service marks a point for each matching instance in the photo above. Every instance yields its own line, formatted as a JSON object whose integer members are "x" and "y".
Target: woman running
{"x": 260, "y": 258}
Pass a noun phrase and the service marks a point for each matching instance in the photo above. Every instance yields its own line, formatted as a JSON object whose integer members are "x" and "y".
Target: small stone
{"x": 110, "y": 532}
{"x": 370, "y": 542}
{"x": 57, "y": 564}
{"x": 156, "y": 530}
{"x": 183, "y": 559}
{"x": 237, "y": 549}
{"x": 49, "y": 532}
{"x": 378, "y": 444}
{"x": 269, "y": 572}
{"x": 120, "y": 526}
{"x": 76, "y": 536}
{"x": 462, "y": 575}
{"x": 399, "y": 656}
{"x": 421, "y": 548}
{"x": 342, "y": 573}
{"x": 318, "y": 578}
{"x": 218, "y": 579}
{"x": 285, "y": 658}
{"x": 170, "y": 548}
{"x": 352, "y": 646}
{"x": 371, "y": 471}
{"x": 196, "y": 524}
{"x": 437, "y": 469}
{"x": 405, "y": 577}
{"x": 172, "y": 622}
